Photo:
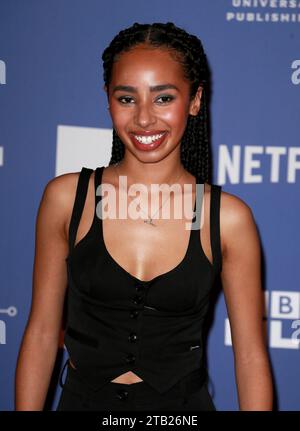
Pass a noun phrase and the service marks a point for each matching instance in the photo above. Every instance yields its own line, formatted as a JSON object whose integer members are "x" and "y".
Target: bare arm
{"x": 40, "y": 342}
{"x": 241, "y": 279}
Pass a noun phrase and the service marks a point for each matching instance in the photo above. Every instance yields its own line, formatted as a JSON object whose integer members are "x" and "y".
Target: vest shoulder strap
{"x": 81, "y": 192}
{"x": 215, "y": 236}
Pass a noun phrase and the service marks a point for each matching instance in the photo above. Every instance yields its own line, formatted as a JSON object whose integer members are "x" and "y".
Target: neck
{"x": 165, "y": 171}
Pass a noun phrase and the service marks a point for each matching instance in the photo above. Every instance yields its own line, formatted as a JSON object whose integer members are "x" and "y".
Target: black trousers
{"x": 185, "y": 395}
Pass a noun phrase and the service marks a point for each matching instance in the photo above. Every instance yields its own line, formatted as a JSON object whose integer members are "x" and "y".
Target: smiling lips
{"x": 146, "y": 141}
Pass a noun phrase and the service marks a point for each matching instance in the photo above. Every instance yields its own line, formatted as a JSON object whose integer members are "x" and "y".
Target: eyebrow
{"x": 131, "y": 89}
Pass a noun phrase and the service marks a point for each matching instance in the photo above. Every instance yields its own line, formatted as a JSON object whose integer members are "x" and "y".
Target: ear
{"x": 196, "y": 102}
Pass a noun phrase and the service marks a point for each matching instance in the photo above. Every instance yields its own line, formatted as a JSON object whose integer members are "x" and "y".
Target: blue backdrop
{"x": 54, "y": 120}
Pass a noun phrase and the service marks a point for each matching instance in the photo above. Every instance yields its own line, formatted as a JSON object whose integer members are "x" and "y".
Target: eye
{"x": 126, "y": 98}
{"x": 167, "y": 99}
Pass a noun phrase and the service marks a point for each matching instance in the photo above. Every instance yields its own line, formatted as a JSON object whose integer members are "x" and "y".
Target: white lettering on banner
{"x": 1, "y": 156}
{"x": 230, "y": 161}
{"x": 250, "y": 163}
{"x": 2, "y": 332}
{"x": 284, "y": 306}
{"x": 275, "y": 153}
{"x": 293, "y": 164}
{"x": 296, "y": 334}
{"x": 295, "y": 78}
{"x": 259, "y": 17}
{"x": 229, "y": 165}
{"x": 284, "y": 4}
{"x": 269, "y": 11}
{"x": 11, "y": 312}
{"x": 2, "y": 72}
{"x": 278, "y": 341}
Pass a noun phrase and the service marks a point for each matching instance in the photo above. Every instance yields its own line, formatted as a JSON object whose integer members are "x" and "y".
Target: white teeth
{"x": 148, "y": 139}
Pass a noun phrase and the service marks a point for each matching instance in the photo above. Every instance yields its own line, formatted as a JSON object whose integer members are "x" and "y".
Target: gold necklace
{"x": 149, "y": 220}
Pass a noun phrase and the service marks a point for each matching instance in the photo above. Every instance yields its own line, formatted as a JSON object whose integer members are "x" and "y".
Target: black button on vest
{"x": 134, "y": 314}
{"x": 122, "y": 395}
{"x": 137, "y": 299}
{"x": 130, "y": 358}
{"x": 132, "y": 337}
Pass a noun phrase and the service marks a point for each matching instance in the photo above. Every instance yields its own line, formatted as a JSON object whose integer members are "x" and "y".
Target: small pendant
{"x": 149, "y": 221}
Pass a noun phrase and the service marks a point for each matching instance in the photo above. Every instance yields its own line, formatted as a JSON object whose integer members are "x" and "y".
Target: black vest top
{"x": 116, "y": 322}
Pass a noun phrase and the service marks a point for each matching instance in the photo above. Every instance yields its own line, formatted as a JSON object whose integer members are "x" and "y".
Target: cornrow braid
{"x": 187, "y": 49}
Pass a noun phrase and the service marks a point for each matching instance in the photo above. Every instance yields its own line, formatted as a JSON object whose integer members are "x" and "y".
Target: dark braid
{"x": 188, "y": 51}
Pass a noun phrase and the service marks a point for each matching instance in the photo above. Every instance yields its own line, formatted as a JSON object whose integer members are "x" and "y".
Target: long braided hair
{"x": 194, "y": 147}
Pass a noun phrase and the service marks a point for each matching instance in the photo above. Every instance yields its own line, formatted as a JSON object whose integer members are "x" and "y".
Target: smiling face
{"x": 149, "y": 102}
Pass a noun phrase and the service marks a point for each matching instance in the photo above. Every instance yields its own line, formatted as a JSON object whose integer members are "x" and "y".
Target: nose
{"x": 144, "y": 115}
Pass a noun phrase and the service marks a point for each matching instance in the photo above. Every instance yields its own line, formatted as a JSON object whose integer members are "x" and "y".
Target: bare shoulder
{"x": 58, "y": 199}
{"x": 236, "y": 219}
{"x": 62, "y": 187}
{"x": 233, "y": 209}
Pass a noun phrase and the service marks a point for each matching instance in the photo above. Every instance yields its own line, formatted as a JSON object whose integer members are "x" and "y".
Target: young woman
{"x": 139, "y": 288}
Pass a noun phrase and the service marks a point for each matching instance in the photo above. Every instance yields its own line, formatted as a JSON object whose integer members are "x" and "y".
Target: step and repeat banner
{"x": 54, "y": 120}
